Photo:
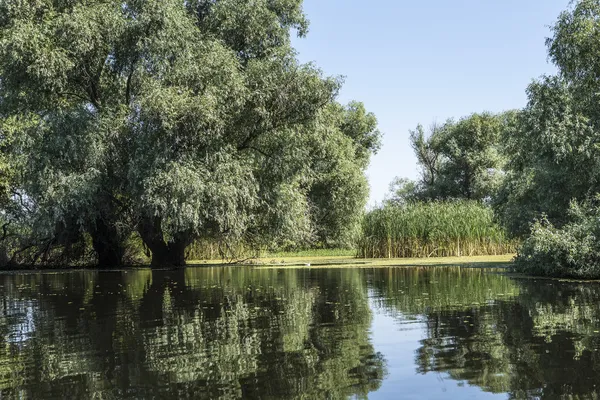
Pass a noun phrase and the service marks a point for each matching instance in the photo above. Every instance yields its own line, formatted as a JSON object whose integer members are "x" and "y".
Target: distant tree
{"x": 471, "y": 159}
{"x": 458, "y": 160}
{"x": 428, "y": 154}
{"x": 402, "y": 191}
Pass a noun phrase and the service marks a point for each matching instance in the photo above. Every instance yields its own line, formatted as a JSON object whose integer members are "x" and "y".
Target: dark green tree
{"x": 176, "y": 121}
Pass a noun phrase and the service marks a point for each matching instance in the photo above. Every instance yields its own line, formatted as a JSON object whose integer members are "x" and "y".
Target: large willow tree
{"x": 178, "y": 120}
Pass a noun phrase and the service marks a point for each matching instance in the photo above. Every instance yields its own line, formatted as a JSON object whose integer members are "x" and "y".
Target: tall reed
{"x": 432, "y": 229}
{"x": 208, "y": 249}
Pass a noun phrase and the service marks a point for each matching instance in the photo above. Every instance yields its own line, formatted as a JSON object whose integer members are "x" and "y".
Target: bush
{"x": 570, "y": 252}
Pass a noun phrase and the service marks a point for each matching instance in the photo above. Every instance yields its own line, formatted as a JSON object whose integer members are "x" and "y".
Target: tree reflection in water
{"x": 291, "y": 333}
{"x": 528, "y": 338}
{"x": 193, "y": 333}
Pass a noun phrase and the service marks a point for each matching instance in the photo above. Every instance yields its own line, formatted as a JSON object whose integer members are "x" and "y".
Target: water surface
{"x": 226, "y": 333}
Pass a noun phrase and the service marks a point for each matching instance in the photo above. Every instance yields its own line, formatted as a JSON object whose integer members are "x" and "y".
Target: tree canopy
{"x": 457, "y": 160}
{"x": 176, "y": 121}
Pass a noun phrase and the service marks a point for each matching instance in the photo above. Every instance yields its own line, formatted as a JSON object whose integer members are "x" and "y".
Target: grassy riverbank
{"x": 300, "y": 261}
{"x": 310, "y": 260}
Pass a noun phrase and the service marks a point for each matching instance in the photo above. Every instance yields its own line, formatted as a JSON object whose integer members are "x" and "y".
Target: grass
{"x": 214, "y": 250}
{"x": 434, "y": 229}
{"x": 344, "y": 261}
{"x": 312, "y": 253}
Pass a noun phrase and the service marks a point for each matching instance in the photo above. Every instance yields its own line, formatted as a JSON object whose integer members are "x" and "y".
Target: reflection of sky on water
{"x": 398, "y": 339}
{"x": 20, "y": 315}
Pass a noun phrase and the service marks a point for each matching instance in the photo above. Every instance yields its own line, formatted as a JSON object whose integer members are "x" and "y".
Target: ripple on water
{"x": 305, "y": 333}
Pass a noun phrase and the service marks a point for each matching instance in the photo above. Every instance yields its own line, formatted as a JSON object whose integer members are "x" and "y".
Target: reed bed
{"x": 432, "y": 229}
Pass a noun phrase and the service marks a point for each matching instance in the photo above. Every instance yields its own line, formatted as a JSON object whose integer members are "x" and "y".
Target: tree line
{"x": 538, "y": 167}
{"x": 128, "y": 125}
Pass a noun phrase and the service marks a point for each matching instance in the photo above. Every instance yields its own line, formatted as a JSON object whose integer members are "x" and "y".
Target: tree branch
{"x": 128, "y": 84}
{"x": 80, "y": 97}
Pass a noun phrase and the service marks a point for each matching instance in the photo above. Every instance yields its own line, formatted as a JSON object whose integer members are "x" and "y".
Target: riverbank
{"x": 344, "y": 261}
{"x": 295, "y": 261}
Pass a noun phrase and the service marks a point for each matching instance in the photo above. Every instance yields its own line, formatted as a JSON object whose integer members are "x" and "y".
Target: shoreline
{"x": 502, "y": 261}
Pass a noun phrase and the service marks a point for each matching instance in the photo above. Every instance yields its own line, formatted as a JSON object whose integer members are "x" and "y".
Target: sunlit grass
{"x": 313, "y": 253}
{"x": 214, "y": 250}
{"x": 344, "y": 261}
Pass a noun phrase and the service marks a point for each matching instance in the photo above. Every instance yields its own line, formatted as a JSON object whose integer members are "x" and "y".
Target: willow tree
{"x": 347, "y": 137}
{"x": 554, "y": 143}
{"x": 178, "y": 120}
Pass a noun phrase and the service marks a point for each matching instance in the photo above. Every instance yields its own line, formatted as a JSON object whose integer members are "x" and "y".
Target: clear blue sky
{"x": 417, "y": 61}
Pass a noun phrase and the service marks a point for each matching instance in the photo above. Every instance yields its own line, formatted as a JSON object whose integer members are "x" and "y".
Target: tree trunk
{"x": 164, "y": 254}
{"x": 107, "y": 244}
{"x": 170, "y": 254}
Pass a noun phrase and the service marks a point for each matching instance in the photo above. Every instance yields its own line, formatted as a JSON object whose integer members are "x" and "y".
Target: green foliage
{"x": 554, "y": 150}
{"x": 458, "y": 160}
{"x": 553, "y": 142}
{"x": 432, "y": 229}
{"x": 347, "y": 136}
{"x": 178, "y": 120}
{"x": 402, "y": 191}
{"x": 251, "y": 29}
{"x": 428, "y": 155}
{"x": 574, "y": 49}
{"x": 554, "y": 158}
{"x": 470, "y": 157}
{"x": 571, "y": 251}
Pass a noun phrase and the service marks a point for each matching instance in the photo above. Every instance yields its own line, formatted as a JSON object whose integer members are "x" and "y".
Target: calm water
{"x": 297, "y": 333}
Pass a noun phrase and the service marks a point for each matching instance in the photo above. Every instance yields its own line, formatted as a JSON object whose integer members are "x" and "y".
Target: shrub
{"x": 572, "y": 251}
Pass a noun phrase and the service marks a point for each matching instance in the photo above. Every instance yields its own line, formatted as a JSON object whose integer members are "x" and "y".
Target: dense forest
{"x": 145, "y": 127}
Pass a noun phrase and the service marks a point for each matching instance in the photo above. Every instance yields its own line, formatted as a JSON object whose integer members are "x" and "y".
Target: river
{"x": 309, "y": 333}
